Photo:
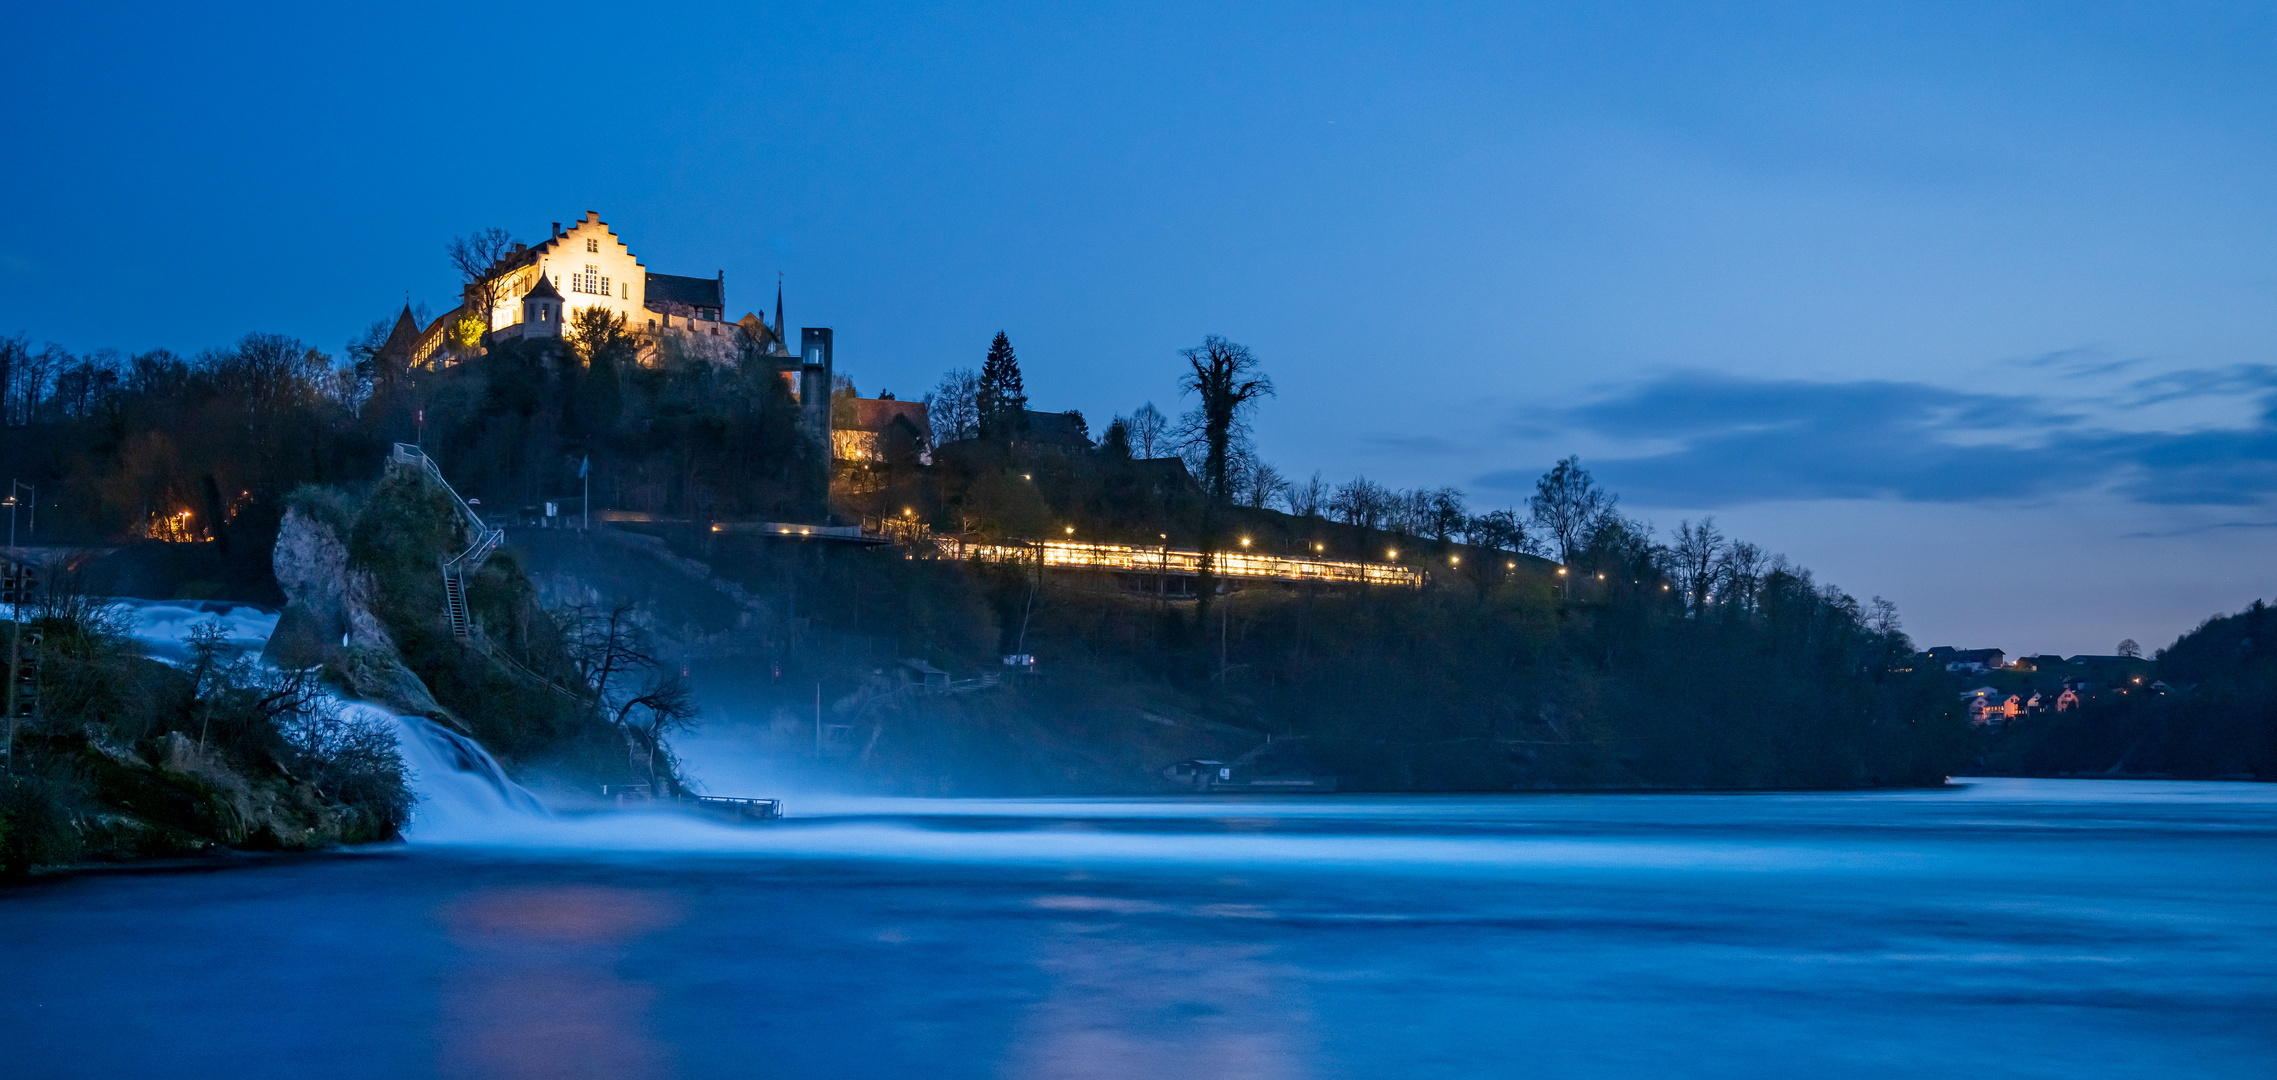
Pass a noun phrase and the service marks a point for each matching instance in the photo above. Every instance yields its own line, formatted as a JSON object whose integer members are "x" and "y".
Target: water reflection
{"x": 1126, "y": 1000}
{"x": 539, "y": 989}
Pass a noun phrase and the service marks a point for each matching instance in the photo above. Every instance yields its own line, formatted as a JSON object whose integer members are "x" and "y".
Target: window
{"x": 592, "y": 282}
{"x": 593, "y": 243}
{"x": 627, "y": 287}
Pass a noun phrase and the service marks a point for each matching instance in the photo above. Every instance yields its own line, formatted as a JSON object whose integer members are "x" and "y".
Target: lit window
{"x": 592, "y": 243}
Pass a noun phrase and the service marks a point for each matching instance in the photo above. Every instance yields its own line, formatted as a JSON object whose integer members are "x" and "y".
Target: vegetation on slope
{"x": 128, "y": 757}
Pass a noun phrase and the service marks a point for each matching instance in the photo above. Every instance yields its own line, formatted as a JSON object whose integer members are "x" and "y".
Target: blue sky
{"x": 1965, "y": 305}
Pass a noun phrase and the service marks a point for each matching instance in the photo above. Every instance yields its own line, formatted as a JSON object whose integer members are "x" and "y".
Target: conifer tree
{"x": 1002, "y": 403}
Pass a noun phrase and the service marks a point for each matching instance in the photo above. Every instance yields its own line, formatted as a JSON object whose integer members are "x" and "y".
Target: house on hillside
{"x": 1956, "y": 660}
{"x": 881, "y": 429}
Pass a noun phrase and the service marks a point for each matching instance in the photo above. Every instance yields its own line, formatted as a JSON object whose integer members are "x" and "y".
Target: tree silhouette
{"x": 1002, "y": 404}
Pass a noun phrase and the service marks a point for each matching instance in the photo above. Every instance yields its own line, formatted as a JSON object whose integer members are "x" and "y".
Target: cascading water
{"x": 463, "y": 793}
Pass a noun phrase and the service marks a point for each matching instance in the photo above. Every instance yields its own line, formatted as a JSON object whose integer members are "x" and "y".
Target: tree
{"x": 1308, "y": 499}
{"x": 474, "y": 256}
{"x": 954, "y": 406}
{"x": 604, "y": 647}
{"x": 1569, "y": 506}
{"x": 1148, "y": 429}
{"x": 1260, "y": 484}
{"x": 671, "y": 706}
{"x": 1225, "y": 380}
{"x": 999, "y": 399}
{"x": 1498, "y": 531}
{"x": 598, "y": 337}
{"x": 1694, "y": 561}
{"x": 1360, "y": 502}
{"x": 1446, "y": 514}
{"x": 2130, "y": 648}
{"x": 1115, "y": 445}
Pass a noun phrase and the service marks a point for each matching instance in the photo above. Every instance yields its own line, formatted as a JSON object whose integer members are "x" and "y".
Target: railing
{"x": 484, "y": 540}
{"x": 1176, "y": 562}
{"x": 741, "y": 809}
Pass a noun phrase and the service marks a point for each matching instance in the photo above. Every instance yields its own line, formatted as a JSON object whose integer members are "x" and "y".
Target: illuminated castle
{"x": 536, "y": 288}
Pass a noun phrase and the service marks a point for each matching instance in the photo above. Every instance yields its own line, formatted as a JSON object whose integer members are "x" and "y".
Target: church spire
{"x": 779, "y": 308}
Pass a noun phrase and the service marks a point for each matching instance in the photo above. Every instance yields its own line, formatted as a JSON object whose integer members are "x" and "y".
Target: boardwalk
{"x": 1176, "y": 562}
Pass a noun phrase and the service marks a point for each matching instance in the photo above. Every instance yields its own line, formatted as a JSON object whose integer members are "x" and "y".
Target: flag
{"x": 584, "y": 465}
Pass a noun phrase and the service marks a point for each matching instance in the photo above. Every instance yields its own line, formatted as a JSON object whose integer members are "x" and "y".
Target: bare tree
{"x": 1499, "y": 531}
{"x": 1261, "y": 484}
{"x": 1884, "y": 620}
{"x": 475, "y": 256}
{"x": 2130, "y": 648}
{"x": 606, "y": 647}
{"x": 1306, "y": 500}
{"x": 1694, "y": 561}
{"x": 1569, "y": 506}
{"x": 954, "y": 406}
{"x": 1149, "y": 429}
{"x": 1361, "y": 502}
{"x": 1445, "y": 513}
{"x": 1744, "y": 566}
{"x": 670, "y": 705}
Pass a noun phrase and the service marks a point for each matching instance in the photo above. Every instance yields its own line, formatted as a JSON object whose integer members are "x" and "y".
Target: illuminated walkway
{"x": 1175, "y": 562}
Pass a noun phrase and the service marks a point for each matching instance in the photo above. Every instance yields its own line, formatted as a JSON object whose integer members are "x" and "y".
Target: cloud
{"x": 2193, "y": 530}
{"x": 1738, "y": 440}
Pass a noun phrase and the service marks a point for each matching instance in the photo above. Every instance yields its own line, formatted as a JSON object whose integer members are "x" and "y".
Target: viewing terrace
{"x": 1172, "y": 562}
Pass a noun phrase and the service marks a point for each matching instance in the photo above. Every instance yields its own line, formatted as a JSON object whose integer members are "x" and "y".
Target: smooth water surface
{"x": 2004, "y": 928}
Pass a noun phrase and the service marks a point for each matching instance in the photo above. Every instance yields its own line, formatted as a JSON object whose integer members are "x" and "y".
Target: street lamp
{"x": 13, "y": 486}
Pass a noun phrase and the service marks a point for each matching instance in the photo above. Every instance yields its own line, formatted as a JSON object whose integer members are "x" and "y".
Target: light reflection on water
{"x": 2006, "y": 929}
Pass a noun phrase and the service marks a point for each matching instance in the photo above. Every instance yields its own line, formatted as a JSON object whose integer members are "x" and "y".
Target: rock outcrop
{"x": 328, "y": 620}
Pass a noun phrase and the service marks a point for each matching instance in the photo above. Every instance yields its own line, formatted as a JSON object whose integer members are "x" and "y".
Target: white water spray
{"x": 463, "y": 794}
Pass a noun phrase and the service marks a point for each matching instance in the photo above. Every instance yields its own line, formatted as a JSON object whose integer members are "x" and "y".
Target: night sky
{"x": 1968, "y": 306}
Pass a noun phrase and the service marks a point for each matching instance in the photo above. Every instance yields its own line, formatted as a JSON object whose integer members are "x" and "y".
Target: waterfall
{"x": 463, "y": 794}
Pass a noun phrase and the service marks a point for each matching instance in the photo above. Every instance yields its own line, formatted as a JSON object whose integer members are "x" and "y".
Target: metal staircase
{"x": 482, "y": 541}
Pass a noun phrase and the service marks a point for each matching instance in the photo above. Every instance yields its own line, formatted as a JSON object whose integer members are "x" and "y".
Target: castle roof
{"x": 404, "y": 339}
{"x": 695, "y": 292}
{"x": 543, "y": 290}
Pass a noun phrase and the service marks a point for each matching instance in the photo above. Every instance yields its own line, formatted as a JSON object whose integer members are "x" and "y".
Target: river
{"x": 1992, "y": 928}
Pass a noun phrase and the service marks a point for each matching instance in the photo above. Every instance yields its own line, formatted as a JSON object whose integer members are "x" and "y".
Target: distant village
{"x": 2029, "y": 686}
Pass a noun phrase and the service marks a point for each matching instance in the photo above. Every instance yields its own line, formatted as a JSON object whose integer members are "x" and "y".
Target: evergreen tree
{"x": 1002, "y": 404}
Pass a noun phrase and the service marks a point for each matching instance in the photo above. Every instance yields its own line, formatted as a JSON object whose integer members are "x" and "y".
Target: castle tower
{"x": 541, "y": 310}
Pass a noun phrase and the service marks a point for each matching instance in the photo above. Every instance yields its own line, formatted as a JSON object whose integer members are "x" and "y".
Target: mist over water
{"x": 1992, "y": 928}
